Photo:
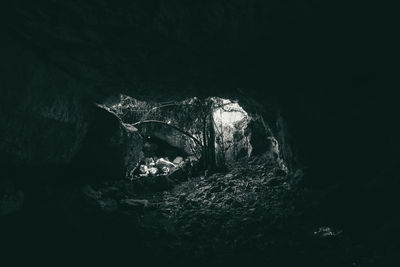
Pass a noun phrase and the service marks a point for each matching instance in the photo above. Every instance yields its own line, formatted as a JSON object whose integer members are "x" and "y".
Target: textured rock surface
{"x": 42, "y": 119}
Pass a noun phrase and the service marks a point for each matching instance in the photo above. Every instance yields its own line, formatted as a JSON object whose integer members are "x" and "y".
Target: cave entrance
{"x": 210, "y": 132}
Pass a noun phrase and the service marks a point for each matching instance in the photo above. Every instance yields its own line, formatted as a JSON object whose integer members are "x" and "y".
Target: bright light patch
{"x": 230, "y": 123}
{"x": 229, "y": 113}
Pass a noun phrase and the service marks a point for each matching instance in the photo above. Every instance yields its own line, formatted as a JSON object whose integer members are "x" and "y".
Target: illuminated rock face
{"x": 233, "y": 136}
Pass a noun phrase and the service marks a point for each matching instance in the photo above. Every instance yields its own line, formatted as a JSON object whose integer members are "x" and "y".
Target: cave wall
{"x": 46, "y": 119}
{"x": 348, "y": 143}
{"x": 111, "y": 149}
{"x": 38, "y": 104}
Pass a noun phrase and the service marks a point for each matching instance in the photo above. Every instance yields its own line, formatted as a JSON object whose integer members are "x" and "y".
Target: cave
{"x": 198, "y": 133}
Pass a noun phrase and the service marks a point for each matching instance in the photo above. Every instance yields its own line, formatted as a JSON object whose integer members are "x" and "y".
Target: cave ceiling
{"x": 127, "y": 45}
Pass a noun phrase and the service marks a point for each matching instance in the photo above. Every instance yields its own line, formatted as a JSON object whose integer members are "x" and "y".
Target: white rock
{"x": 177, "y": 160}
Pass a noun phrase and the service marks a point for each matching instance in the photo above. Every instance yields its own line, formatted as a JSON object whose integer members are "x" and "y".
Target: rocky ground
{"x": 252, "y": 215}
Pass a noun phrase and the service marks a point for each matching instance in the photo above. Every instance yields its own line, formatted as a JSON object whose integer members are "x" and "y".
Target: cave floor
{"x": 245, "y": 217}
{"x": 248, "y": 216}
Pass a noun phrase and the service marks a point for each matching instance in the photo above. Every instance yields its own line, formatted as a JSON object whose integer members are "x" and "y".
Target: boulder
{"x": 164, "y": 163}
{"x": 144, "y": 170}
{"x": 177, "y": 160}
{"x": 165, "y": 170}
{"x": 153, "y": 171}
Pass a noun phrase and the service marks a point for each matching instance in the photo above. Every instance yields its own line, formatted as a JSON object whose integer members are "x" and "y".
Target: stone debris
{"x": 153, "y": 170}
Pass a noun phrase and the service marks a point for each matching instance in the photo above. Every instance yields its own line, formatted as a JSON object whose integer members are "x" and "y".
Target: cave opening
{"x": 198, "y": 135}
